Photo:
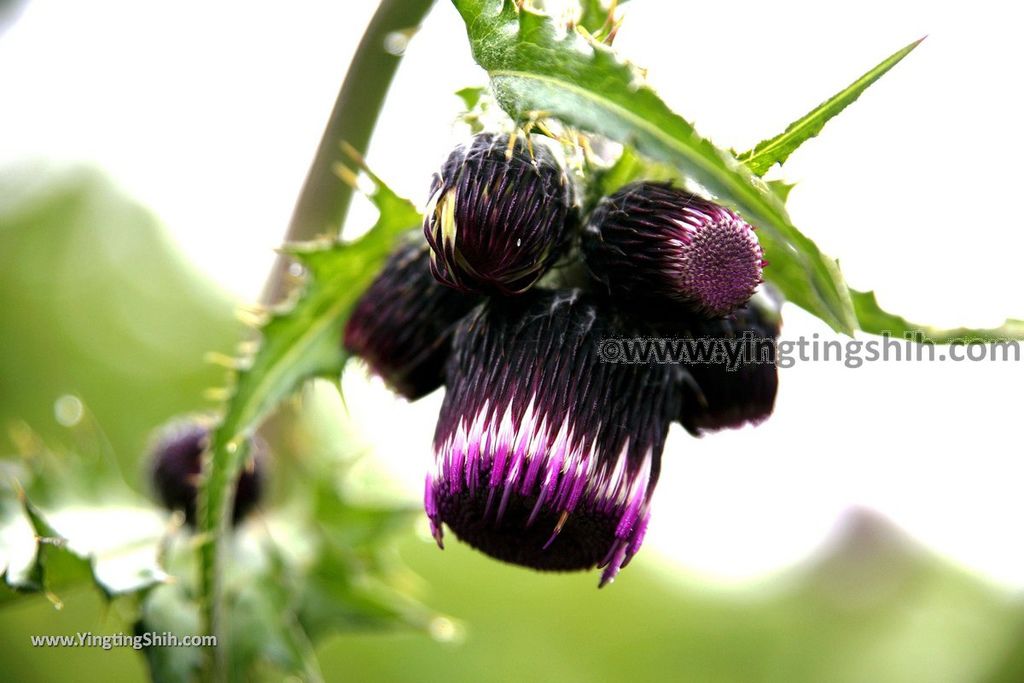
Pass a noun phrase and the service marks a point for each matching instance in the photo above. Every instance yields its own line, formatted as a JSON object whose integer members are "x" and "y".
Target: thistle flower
{"x": 176, "y": 461}
{"x": 652, "y": 239}
{"x": 500, "y": 214}
{"x": 719, "y": 398}
{"x": 544, "y": 456}
{"x": 402, "y": 324}
{"x": 734, "y": 378}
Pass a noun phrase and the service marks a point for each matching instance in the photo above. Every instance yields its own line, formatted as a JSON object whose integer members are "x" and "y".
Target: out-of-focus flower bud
{"x": 176, "y": 460}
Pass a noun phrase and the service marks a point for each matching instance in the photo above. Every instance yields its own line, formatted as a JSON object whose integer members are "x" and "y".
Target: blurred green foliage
{"x": 105, "y": 330}
{"x": 95, "y": 303}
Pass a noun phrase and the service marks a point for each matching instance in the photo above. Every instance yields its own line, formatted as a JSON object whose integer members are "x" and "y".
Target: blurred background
{"x": 869, "y": 531}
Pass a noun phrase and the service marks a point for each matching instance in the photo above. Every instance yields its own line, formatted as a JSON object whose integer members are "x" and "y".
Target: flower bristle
{"x": 545, "y": 456}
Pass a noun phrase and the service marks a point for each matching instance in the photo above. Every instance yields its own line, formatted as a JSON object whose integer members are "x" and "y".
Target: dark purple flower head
{"x": 720, "y": 398}
{"x": 176, "y": 459}
{"x": 730, "y": 378}
{"x": 402, "y": 325}
{"x": 545, "y": 456}
{"x": 497, "y": 222}
{"x": 651, "y": 239}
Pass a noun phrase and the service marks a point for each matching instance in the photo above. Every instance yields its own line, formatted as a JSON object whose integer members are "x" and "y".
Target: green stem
{"x": 320, "y": 208}
{"x": 324, "y": 200}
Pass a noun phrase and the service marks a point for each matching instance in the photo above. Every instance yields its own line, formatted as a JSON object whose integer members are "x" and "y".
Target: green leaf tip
{"x": 55, "y": 567}
{"x": 873, "y": 319}
{"x": 777, "y": 149}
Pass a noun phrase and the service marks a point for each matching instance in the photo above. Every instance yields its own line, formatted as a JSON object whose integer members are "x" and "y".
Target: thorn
{"x": 200, "y": 539}
{"x": 347, "y": 175}
{"x": 217, "y": 394}
{"x": 511, "y": 145}
{"x": 360, "y": 161}
{"x": 543, "y": 128}
{"x": 352, "y": 153}
{"x": 251, "y": 319}
{"x": 54, "y": 600}
{"x": 221, "y": 359}
{"x": 611, "y": 25}
{"x": 253, "y": 308}
{"x": 610, "y": 38}
{"x": 247, "y": 348}
{"x": 252, "y": 316}
{"x": 20, "y": 491}
{"x": 584, "y": 143}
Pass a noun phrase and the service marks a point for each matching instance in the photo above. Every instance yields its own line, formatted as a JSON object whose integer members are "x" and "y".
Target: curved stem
{"x": 324, "y": 200}
{"x": 320, "y": 208}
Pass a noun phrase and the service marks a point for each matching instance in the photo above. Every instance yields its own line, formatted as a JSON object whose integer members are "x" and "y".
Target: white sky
{"x": 210, "y": 112}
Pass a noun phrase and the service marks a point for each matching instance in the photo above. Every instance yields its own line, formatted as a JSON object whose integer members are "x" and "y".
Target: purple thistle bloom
{"x": 402, "y": 325}
{"x": 654, "y": 239}
{"x": 545, "y": 456}
{"x": 496, "y": 223}
{"x": 177, "y": 466}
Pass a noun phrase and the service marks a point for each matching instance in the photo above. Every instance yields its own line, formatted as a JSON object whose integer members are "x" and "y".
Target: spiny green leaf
{"x": 265, "y": 629}
{"x": 536, "y": 66}
{"x": 297, "y": 344}
{"x": 781, "y": 189}
{"x": 872, "y": 318}
{"x": 777, "y": 149}
{"x": 55, "y": 567}
{"x": 337, "y": 596}
{"x": 81, "y": 538}
{"x": 169, "y": 609}
{"x": 594, "y": 15}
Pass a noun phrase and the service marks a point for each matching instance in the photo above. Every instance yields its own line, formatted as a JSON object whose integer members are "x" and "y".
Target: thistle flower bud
{"x": 652, "y": 239}
{"x": 500, "y": 214}
{"x": 402, "y": 324}
{"x": 720, "y": 398}
{"x": 176, "y": 461}
{"x": 732, "y": 378}
{"x": 545, "y": 456}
